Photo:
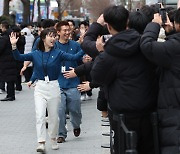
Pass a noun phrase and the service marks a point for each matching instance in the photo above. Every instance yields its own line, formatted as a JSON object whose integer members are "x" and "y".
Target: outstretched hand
{"x": 13, "y": 38}
{"x": 22, "y": 70}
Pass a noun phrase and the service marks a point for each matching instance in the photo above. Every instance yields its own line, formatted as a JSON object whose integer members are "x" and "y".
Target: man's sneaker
{"x": 2, "y": 91}
{"x": 60, "y": 140}
{"x": 66, "y": 126}
{"x": 54, "y": 145}
{"x": 88, "y": 97}
{"x": 83, "y": 97}
{"x": 67, "y": 116}
{"x": 41, "y": 147}
{"x": 46, "y": 122}
{"x": 77, "y": 132}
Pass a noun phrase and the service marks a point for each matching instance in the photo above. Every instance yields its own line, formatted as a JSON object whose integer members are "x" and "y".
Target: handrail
{"x": 128, "y": 139}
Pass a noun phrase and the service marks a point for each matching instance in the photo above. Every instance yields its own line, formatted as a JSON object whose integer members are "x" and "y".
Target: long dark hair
{"x": 44, "y": 33}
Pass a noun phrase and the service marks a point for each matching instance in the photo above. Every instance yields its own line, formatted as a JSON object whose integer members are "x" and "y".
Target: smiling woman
{"x": 48, "y": 37}
{"x": 46, "y": 61}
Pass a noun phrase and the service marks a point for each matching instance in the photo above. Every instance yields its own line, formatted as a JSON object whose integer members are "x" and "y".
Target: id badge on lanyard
{"x": 63, "y": 69}
{"x": 46, "y": 79}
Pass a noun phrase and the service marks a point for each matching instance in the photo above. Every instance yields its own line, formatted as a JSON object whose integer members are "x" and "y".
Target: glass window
{"x": 171, "y": 1}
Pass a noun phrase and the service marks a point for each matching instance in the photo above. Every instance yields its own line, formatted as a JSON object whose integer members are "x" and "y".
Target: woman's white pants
{"x": 47, "y": 95}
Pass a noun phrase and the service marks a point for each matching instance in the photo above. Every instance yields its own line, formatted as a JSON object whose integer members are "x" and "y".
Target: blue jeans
{"x": 70, "y": 100}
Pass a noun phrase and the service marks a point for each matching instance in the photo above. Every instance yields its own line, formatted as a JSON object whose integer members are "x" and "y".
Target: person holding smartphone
{"x": 166, "y": 55}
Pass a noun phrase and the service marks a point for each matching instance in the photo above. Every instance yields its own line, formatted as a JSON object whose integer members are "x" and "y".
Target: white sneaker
{"x": 54, "y": 144}
{"x": 66, "y": 126}
{"x": 41, "y": 147}
{"x": 83, "y": 97}
{"x": 1, "y": 91}
{"x": 88, "y": 97}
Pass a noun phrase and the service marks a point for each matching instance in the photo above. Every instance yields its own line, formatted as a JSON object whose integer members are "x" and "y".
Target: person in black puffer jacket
{"x": 21, "y": 46}
{"x": 129, "y": 79}
{"x": 166, "y": 55}
{"x": 8, "y": 66}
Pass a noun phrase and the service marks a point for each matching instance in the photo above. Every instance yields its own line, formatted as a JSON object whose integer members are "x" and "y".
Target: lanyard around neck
{"x": 45, "y": 66}
{"x": 67, "y": 49}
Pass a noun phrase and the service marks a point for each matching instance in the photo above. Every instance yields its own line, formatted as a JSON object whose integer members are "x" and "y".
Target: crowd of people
{"x": 131, "y": 56}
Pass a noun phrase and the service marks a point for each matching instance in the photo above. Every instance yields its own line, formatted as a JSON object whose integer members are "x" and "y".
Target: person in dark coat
{"x": 90, "y": 47}
{"x": 166, "y": 55}
{"x": 8, "y": 69}
{"x": 21, "y": 46}
{"x": 129, "y": 79}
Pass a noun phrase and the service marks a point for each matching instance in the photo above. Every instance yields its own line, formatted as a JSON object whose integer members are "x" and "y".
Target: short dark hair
{"x": 47, "y": 23}
{"x": 44, "y": 33}
{"x": 5, "y": 24}
{"x": 85, "y": 23}
{"x": 171, "y": 13}
{"x": 177, "y": 16}
{"x": 69, "y": 20}
{"x": 23, "y": 25}
{"x": 138, "y": 21}
{"x": 60, "y": 24}
{"x": 117, "y": 17}
{"x": 16, "y": 28}
{"x": 148, "y": 12}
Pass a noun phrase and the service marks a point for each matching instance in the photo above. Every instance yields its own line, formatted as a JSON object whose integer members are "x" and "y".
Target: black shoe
{"x": 18, "y": 89}
{"x": 8, "y": 99}
{"x": 46, "y": 125}
{"x": 77, "y": 132}
{"x": 60, "y": 140}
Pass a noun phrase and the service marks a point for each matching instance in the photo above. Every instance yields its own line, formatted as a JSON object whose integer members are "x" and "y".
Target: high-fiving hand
{"x": 13, "y": 38}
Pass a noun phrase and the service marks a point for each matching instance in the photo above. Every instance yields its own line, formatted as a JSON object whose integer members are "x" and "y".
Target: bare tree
{"x": 129, "y": 5}
{"x": 62, "y": 6}
{"x": 74, "y": 8}
{"x": 32, "y": 17}
{"x": 123, "y": 2}
{"x": 142, "y": 3}
{"x": 6, "y": 7}
{"x": 39, "y": 10}
{"x": 26, "y": 11}
{"x": 96, "y": 7}
{"x": 47, "y": 2}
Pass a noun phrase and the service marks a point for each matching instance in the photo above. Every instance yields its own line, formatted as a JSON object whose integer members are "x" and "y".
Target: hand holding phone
{"x": 163, "y": 14}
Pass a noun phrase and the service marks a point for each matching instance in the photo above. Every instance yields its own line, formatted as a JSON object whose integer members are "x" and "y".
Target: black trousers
{"x": 2, "y": 85}
{"x": 142, "y": 126}
{"x": 10, "y": 89}
{"x": 18, "y": 83}
{"x": 28, "y": 74}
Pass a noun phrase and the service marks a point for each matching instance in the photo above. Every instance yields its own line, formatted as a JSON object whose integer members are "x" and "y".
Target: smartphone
{"x": 163, "y": 14}
{"x": 106, "y": 38}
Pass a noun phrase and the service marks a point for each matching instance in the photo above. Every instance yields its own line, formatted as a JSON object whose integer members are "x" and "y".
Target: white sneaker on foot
{"x": 1, "y": 91}
{"x": 83, "y": 97}
{"x": 88, "y": 97}
{"x": 41, "y": 147}
{"x": 54, "y": 145}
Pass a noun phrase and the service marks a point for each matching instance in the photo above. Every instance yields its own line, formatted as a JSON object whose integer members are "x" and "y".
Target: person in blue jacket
{"x": 46, "y": 60}
{"x": 70, "y": 96}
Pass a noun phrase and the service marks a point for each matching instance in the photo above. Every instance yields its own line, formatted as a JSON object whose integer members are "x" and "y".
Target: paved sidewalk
{"x": 18, "y": 132}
